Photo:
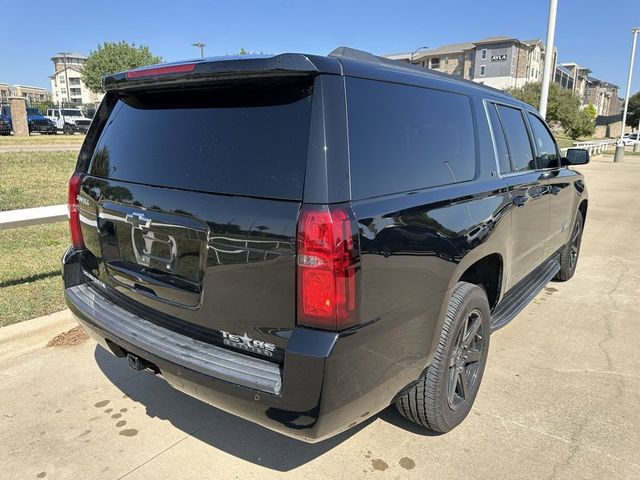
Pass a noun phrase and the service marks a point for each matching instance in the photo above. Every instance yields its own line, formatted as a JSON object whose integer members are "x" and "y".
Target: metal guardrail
{"x": 595, "y": 146}
{"x": 27, "y": 217}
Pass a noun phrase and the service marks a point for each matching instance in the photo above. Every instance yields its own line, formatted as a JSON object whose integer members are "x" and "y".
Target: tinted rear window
{"x": 405, "y": 138}
{"x": 249, "y": 140}
{"x": 517, "y": 138}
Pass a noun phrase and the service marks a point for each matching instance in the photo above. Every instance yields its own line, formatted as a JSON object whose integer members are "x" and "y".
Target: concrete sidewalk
{"x": 560, "y": 397}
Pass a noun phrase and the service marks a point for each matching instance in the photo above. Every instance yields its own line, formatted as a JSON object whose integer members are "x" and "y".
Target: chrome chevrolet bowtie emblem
{"x": 138, "y": 220}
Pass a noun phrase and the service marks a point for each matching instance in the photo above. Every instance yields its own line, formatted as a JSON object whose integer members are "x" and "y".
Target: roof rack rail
{"x": 355, "y": 54}
{"x": 348, "y": 52}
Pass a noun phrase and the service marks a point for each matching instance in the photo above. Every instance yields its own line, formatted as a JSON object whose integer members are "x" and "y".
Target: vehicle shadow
{"x": 221, "y": 430}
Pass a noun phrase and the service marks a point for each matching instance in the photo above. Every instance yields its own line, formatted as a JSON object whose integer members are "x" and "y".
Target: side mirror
{"x": 576, "y": 156}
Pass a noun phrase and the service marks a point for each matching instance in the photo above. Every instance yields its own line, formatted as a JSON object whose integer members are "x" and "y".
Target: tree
{"x": 633, "y": 113}
{"x": 563, "y": 106}
{"x": 591, "y": 111}
{"x": 583, "y": 125}
{"x": 112, "y": 57}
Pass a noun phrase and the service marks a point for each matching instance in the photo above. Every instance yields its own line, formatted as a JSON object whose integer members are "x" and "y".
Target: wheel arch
{"x": 470, "y": 269}
{"x": 582, "y": 208}
{"x": 487, "y": 272}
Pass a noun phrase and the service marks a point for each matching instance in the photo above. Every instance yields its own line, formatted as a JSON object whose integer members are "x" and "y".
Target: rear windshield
{"x": 245, "y": 140}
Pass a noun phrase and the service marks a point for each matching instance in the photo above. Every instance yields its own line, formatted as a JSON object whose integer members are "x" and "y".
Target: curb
{"x": 30, "y": 335}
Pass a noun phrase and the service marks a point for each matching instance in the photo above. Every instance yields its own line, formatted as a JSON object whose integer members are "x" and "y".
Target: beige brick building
{"x": 31, "y": 94}
{"x": 500, "y": 62}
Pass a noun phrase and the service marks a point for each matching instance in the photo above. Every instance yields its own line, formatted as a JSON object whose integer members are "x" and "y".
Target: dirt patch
{"x": 74, "y": 336}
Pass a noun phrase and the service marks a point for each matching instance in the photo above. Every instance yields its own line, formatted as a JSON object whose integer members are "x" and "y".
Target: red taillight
{"x": 166, "y": 70}
{"x": 74, "y": 212}
{"x": 327, "y": 256}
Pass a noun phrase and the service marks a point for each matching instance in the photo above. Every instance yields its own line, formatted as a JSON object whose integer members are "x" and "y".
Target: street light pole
{"x": 201, "y": 46}
{"x": 619, "y": 155}
{"x": 66, "y": 76}
{"x": 414, "y": 52}
{"x": 548, "y": 58}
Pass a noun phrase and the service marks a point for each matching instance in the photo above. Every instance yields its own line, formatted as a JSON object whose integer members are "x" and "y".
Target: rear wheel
{"x": 571, "y": 251}
{"x": 444, "y": 394}
{"x": 67, "y": 130}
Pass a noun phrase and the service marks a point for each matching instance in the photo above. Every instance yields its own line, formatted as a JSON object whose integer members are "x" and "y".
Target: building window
{"x": 446, "y": 60}
{"x": 435, "y": 62}
{"x": 482, "y": 70}
{"x": 74, "y": 81}
{"x": 483, "y": 54}
{"x": 470, "y": 73}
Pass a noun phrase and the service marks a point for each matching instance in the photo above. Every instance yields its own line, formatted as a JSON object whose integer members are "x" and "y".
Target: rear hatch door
{"x": 190, "y": 205}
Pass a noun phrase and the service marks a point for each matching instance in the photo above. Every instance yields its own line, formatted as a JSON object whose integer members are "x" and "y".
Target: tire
{"x": 571, "y": 251}
{"x": 67, "y": 130}
{"x": 438, "y": 401}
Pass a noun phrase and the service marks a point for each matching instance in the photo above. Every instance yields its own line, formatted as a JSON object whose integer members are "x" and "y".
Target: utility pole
{"x": 201, "y": 46}
{"x": 619, "y": 155}
{"x": 548, "y": 58}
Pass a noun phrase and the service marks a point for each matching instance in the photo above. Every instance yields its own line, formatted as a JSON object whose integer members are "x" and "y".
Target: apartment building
{"x": 602, "y": 95}
{"x": 31, "y": 94}
{"x": 500, "y": 62}
{"x": 591, "y": 91}
{"x": 66, "y": 82}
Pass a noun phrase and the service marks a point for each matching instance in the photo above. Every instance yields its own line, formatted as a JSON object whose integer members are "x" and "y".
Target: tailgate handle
{"x": 144, "y": 290}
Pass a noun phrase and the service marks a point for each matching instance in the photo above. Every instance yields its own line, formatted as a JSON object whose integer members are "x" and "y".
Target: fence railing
{"x": 28, "y": 217}
{"x": 595, "y": 146}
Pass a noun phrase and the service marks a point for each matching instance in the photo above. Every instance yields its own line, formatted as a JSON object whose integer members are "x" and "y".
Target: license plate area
{"x": 157, "y": 254}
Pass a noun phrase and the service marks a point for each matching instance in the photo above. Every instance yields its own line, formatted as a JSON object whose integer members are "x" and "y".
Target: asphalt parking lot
{"x": 560, "y": 397}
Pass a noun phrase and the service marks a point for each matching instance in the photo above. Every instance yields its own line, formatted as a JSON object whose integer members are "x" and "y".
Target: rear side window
{"x": 547, "y": 153}
{"x": 404, "y": 138}
{"x": 517, "y": 138}
{"x": 249, "y": 140}
{"x": 502, "y": 151}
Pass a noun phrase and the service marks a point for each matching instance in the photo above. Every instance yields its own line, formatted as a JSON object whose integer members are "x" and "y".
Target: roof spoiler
{"x": 220, "y": 68}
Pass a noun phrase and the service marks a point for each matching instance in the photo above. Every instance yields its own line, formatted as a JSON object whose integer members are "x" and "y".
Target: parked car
{"x": 629, "y": 140}
{"x": 69, "y": 120}
{"x": 303, "y": 240}
{"x": 5, "y": 126}
{"x": 38, "y": 123}
{"x": 35, "y": 121}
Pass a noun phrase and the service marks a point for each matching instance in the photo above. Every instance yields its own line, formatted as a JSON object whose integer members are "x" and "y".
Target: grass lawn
{"x": 566, "y": 142}
{"x": 30, "y": 281}
{"x": 41, "y": 140}
{"x": 34, "y": 179}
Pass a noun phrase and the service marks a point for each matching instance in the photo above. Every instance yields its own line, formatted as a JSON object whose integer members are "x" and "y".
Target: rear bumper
{"x": 327, "y": 383}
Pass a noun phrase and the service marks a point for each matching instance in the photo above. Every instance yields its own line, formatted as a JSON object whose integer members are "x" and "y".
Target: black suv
{"x": 304, "y": 240}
